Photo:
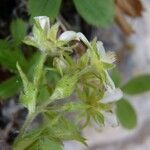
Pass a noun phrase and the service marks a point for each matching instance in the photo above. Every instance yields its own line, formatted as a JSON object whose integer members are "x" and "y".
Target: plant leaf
{"x": 126, "y": 114}
{"x": 64, "y": 88}
{"x": 38, "y": 70}
{"x": 28, "y": 97}
{"x": 96, "y": 12}
{"x": 9, "y": 87}
{"x": 18, "y": 30}
{"x": 64, "y": 129}
{"x": 9, "y": 57}
{"x": 75, "y": 106}
{"x": 52, "y": 34}
{"x": 48, "y": 8}
{"x": 137, "y": 85}
{"x": 46, "y": 144}
{"x": 116, "y": 77}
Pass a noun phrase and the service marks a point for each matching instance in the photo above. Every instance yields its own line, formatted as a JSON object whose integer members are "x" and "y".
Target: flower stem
{"x": 26, "y": 124}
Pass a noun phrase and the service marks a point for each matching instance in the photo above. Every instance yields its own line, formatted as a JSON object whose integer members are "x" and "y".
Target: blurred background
{"x": 122, "y": 25}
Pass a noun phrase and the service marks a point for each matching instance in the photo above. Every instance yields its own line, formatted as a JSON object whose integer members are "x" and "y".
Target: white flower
{"x": 71, "y": 35}
{"x": 105, "y": 57}
{"x": 110, "y": 119}
{"x": 112, "y": 96}
{"x": 68, "y": 36}
{"x": 44, "y": 22}
{"x": 82, "y": 37}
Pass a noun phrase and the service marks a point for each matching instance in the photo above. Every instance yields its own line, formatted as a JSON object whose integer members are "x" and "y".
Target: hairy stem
{"x": 26, "y": 124}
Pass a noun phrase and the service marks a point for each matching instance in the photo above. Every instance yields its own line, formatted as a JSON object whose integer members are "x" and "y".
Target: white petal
{"x": 110, "y": 86}
{"x": 68, "y": 36}
{"x": 101, "y": 49}
{"x": 83, "y": 38}
{"x": 112, "y": 96}
{"x": 110, "y": 119}
{"x": 108, "y": 57}
{"x": 44, "y": 22}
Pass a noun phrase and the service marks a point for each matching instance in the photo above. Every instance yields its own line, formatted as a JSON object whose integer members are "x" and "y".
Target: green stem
{"x": 32, "y": 112}
{"x": 26, "y": 124}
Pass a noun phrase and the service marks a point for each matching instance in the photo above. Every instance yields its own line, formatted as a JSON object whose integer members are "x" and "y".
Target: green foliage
{"x": 48, "y": 8}
{"x": 9, "y": 87}
{"x": 9, "y": 55}
{"x": 137, "y": 85}
{"x": 126, "y": 114}
{"x": 29, "y": 94}
{"x": 116, "y": 77}
{"x": 18, "y": 30}
{"x": 54, "y": 74}
{"x": 74, "y": 75}
{"x": 96, "y": 12}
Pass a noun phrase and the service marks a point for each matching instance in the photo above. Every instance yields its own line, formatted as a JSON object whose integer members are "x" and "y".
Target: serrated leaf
{"x": 18, "y": 30}
{"x": 9, "y": 87}
{"x": 137, "y": 85}
{"x": 64, "y": 88}
{"x": 48, "y": 8}
{"x": 9, "y": 57}
{"x": 65, "y": 130}
{"x": 28, "y": 97}
{"x": 96, "y": 12}
{"x": 126, "y": 114}
{"x": 28, "y": 140}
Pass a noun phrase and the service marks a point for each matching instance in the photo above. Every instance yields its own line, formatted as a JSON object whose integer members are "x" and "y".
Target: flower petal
{"x": 105, "y": 57}
{"x": 101, "y": 49}
{"x": 83, "y": 38}
{"x": 110, "y": 119}
{"x": 109, "y": 85}
{"x": 44, "y": 22}
{"x": 68, "y": 36}
{"x": 112, "y": 96}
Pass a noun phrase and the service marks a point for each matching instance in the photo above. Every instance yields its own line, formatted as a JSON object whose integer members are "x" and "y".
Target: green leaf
{"x": 9, "y": 57}
{"x": 98, "y": 117}
{"x": 75, "y": 106}
{"x": 29, "y": 41}
{"x": 48, "y": 8}
{"x": 64, "y": 88}
{"x": 96, "y": 12}
{"x": 137, "y": 85}
{"x": 4, "y": 45}
{"x": 116, "y": 77}
{"x": 38, "y": 70}
{"x": 28, "y": 97}
{"x": 52, "y": 35}
{"x": 126, "y": 114}
{"x": 46, "y": 144}
{"x": 43, "y": 94}
{"x": 27, "y": 141}
{"x": 9, "y": 87}
{"x": 18, "y": 30}
{"x": 32, "y": 63}
{"x": 64, "y": 129}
